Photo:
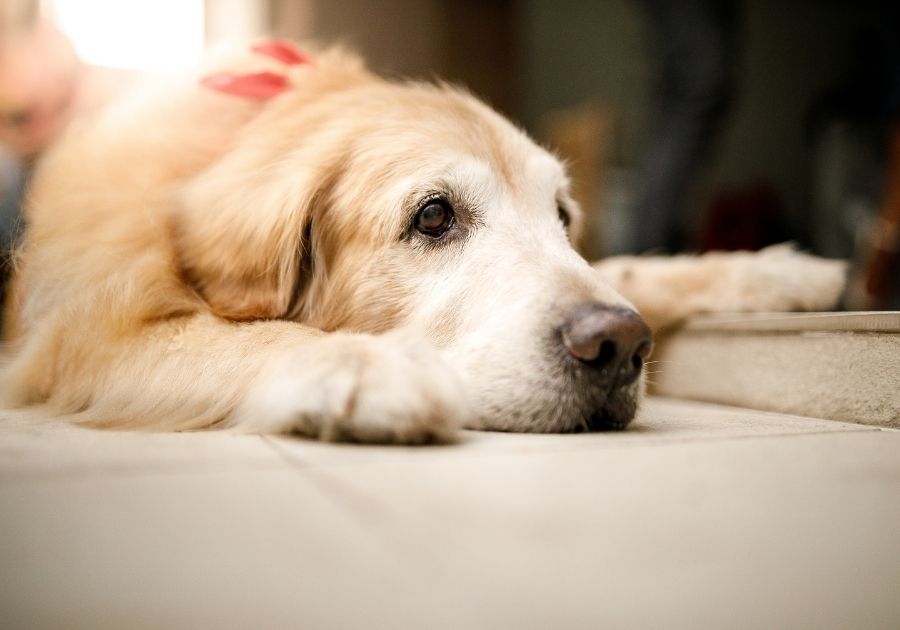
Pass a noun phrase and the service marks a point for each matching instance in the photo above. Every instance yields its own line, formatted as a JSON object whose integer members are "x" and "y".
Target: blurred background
{"x": 689, "y": 125}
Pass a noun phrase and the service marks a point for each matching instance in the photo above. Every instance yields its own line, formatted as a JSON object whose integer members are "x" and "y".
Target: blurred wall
{"x": 791, "y": 50}
{"x": 471, "y": 42}
{"x": 398, "y": 37}
{"x": 574, "y": 51}
{"x": 531, "y": 57}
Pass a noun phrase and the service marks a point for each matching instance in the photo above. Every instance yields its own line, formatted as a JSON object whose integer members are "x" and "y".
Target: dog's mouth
{"x": 576, "y": 408}
{"x": 604, "y": 421}
{"x": 615, "y": 414}
{"x": 598, "y": 424}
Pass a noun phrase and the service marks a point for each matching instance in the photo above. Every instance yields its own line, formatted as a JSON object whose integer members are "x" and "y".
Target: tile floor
{"x": 699, "y": 517}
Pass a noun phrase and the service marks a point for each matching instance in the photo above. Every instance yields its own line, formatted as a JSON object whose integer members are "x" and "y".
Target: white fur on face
{"x": 515, "y": 283}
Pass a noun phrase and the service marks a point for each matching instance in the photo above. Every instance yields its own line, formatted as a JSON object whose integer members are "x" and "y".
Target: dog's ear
{"x": 239, "y": 234}
{"x": 240, "y": 226}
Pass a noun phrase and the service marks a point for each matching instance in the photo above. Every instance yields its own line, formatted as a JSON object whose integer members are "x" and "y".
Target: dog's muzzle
{"x": 610, "y": 345}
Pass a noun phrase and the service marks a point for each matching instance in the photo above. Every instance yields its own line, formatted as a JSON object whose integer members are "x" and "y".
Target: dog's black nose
{"x": 611, "y": 338}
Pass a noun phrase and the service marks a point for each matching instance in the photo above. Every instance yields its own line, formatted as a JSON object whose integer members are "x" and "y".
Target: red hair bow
{"x": 259, "y": 85}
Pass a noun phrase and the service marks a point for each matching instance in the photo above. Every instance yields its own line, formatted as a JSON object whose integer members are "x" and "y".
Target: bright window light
{"x": 149, "y": 35}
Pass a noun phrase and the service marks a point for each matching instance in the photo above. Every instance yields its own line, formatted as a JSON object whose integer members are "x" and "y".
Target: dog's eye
{"x": 434, "y": 218}
{"x": 563, "y": 216}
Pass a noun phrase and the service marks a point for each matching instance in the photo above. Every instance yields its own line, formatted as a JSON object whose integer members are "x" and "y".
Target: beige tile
{"x": 32, "y": 444}
{"x": 248, "y": 549}
{"x": 672, "y": 418}
{"x": 703, "y": 517}
{"x": 789, "y": 531}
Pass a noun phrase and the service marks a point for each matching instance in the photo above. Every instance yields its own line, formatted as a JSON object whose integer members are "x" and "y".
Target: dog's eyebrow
{"x": 459, "y": 200}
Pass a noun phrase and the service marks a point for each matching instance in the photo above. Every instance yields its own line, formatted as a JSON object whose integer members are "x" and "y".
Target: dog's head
{"x": 357, "y": 204}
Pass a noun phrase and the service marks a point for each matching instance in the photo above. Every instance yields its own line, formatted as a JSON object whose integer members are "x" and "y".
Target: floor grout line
{"x": 381, "y": 522}
{"x": 131, "y": 471}
{"x": 391, "y": 532}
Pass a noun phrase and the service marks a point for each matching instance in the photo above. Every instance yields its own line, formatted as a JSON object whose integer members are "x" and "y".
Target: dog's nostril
{"x": 640, "y": 355}
{"x": 606, "y": 354}
{"x": 608, "y": 337}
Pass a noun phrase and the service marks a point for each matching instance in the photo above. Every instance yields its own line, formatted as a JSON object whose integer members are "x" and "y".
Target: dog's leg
{"x": 265, "y": 376}
{"x": 666, "y": 290}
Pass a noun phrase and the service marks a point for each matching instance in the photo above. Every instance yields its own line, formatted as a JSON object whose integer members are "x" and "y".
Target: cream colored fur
{"x": 198, "y": 260}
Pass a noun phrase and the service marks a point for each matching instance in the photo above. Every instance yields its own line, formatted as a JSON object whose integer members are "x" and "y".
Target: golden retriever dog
{"x": 295, "y": 245}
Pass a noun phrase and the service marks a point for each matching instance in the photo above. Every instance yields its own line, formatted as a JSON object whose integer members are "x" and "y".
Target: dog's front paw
{"x": 361, "y": 388}
{"x": 780, "y": 278}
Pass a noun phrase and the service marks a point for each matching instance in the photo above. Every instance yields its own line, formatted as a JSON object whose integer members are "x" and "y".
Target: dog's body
{"x": 351, "y": 259}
